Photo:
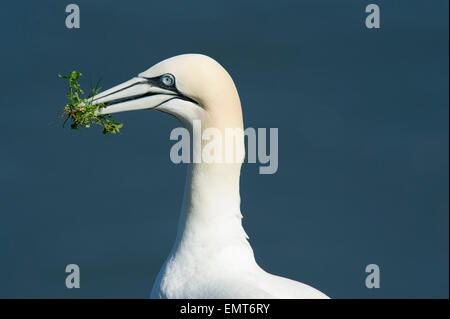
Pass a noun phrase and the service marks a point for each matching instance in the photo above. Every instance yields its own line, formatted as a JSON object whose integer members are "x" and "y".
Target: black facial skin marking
{"x": 156, "y": 82}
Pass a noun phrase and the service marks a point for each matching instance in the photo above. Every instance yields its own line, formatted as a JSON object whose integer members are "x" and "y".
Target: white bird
{"x": 211, "y": 257}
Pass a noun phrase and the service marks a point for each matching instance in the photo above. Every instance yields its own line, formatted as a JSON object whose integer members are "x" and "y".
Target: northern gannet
{"x": 211, "y": 257}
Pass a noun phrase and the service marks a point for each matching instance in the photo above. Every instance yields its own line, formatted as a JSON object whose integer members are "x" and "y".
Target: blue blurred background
{"x": 363, "y": 144}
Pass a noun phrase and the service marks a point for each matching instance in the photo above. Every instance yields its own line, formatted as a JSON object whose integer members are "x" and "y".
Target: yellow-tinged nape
{"x": 204, "y": 80}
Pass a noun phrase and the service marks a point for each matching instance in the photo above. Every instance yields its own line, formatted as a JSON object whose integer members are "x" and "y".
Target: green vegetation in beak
{"x": 81, "y": 111}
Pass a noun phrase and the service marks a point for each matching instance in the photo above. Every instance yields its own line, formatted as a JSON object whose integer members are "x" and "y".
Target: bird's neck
{"x": 210, "y": 213}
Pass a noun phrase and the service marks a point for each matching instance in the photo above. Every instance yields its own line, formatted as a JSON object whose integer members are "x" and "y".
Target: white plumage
{"x": 211, "y": 257}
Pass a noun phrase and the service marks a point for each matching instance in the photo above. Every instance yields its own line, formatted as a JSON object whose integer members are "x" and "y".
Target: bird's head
{"x": 189, "y": 87}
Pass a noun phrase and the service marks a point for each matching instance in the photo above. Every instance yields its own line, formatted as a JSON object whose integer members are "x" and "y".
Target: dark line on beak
{"x": 152, "y": 82}
{"x": 127, "y": 87}
{"x": 131, "y": 98}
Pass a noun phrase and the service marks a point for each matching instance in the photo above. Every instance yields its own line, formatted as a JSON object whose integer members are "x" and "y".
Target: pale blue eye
{"x": 168, "y": 79}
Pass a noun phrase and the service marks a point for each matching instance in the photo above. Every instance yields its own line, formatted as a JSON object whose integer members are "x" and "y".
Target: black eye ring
{"x": 167, "y": 80}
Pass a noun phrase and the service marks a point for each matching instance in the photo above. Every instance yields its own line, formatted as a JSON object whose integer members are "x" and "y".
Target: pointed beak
{"x": 135, "y": 94}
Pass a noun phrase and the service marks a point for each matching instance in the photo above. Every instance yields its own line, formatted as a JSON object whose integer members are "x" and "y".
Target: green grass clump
{"x": 82, "y": 113}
